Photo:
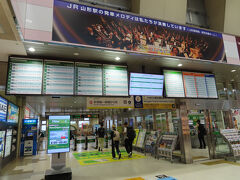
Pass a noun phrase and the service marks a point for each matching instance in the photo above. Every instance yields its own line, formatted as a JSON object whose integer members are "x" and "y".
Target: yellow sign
{"x": 155, "y": 102}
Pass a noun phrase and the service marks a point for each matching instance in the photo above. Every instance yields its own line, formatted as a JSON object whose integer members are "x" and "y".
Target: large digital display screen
{"x": 211, "y": 86}
{"x": 59, "y": 134}
{"x": 2, "y": 143}
{"x": 13, "y": 111}
{"x": 189, "y": 85}
{"x": 115, "y": 80}
{"x": 24, "y": 76}
{"x": 89, "y": 79}
{"x": 8, "y": 144}
{"x": 146, "y": 84}
{"x": 58, "y": 78}
{"x": 3, "y": 109}
{"x": 174, "y": 83}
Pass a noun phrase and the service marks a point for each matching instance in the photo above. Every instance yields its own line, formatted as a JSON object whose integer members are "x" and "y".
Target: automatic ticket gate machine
{"x": 29, "y": 137}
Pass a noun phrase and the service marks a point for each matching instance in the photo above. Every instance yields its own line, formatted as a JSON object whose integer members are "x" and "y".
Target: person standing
{"x": 201, "y": 134}
{"x": 129, "y": 135}
{"x": 115, "y": 136}
{"x": 101, "y": 134}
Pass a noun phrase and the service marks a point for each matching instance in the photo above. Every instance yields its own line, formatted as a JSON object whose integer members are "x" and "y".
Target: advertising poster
{"x": 116, "y": 30}
{"x": 2, "y": 143}
{"x": 8, "y": 145}
{"x": 231, "y": 49}
{"x": 12, "y": 113}
{"x": 141, "y": 138}
{"x": 26, "y": 113}
{"x": 3, "y": 109}
{"x": 59, "y": 134}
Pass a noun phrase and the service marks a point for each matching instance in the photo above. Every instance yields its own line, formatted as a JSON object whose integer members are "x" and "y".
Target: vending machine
{"x": 29, "y": 137}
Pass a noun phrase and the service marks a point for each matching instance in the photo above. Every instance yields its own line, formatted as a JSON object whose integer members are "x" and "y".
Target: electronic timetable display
{"x": 24, "y": 76}
{"x": 58, "y": 78}
{"x": 115, "y": 80}
{"x": 89, "y": 79}
{"x": 174, "y": 83}
{"x": 146, "y": 84}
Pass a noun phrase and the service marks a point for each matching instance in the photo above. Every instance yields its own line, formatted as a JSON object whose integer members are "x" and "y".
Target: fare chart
{"x": 24, "y": 76}
{"x": 146, "y": 84}
{"x": 58, "y": 78}
{"x": 174, "y": 83}
{"x": 115, "y": 81}
{"x": 89, "y": 79}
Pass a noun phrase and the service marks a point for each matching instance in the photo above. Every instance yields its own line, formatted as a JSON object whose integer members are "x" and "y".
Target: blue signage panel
{"x": 3, "y": 109}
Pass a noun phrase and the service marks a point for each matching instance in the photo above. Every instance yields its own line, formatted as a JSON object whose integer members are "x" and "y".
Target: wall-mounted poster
{"x": 129, "y": 32}
{"x": 13, "y": 111}
{"x": 3, "y": 109}
{"x": 8, "y": 144}
{"x": 2, "y": 143}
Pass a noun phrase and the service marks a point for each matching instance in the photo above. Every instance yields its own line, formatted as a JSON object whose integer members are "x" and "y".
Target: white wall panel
{"x": 39, "y": 18}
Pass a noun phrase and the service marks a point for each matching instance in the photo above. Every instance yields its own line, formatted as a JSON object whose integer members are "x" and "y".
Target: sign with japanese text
{"x": 128, "y": 32}
{"x": 109, "y": 103}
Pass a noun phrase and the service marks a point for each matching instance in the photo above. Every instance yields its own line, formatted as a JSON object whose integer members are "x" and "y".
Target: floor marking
{"x": 95, "y": 157}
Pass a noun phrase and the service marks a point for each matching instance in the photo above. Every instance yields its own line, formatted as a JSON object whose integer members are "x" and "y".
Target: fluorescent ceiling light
{"x": 234, "y": 70}
{"x": 179, "y": 65}
{"x": 117, "y": 58}
{"x": 31, "y": 49}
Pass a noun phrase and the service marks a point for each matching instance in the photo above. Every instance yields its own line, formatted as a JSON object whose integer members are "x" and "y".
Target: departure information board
{"x": 115, "y": 80}
{"x": 89, "y": 79}
{"x": 201, "y": 85}
{"x": 58, "y": 78}
{"x": 24, "y": 76}
{"x": 146, "y": 84}
{"x": 211, "y": 86}
{"x": 189, "y": 84}
{"x": 174, "y": 83}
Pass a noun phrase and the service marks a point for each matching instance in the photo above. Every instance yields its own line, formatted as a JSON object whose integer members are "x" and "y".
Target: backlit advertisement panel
{"x": 58, "y": 134}
{"x": 116, "y": 30}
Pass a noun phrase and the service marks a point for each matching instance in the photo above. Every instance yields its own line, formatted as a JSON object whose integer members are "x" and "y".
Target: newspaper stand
{"x": 151, "y": 143}
{"x": 166, "y": 146}
{"x": 232, "y": 138}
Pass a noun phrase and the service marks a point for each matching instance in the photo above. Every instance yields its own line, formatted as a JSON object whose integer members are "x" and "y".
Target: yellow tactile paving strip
{"x": 137, "y": 178}
{"x": 212, "y": 163}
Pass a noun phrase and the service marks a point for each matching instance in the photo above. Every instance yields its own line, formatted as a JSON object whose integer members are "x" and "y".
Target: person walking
{"x": 101, "y": 134}
{"x": 129, "y": 135}
{"x": 201, "y": 134}
{"x": 115, "y": 136}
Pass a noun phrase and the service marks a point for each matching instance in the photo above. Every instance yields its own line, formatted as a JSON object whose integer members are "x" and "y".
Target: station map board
{"x": 24, "y": 76}
{"x": 115, "y": 80}
{"x": 89, "y": 79}
{"x": 58, "y": 78}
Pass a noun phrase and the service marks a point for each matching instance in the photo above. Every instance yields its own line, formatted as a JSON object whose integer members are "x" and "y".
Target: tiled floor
{"x": 33, "y": 168}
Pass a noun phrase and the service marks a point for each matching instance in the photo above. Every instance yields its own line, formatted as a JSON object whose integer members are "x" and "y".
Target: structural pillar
{"x": 185, "y": 139}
